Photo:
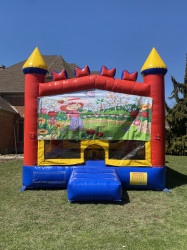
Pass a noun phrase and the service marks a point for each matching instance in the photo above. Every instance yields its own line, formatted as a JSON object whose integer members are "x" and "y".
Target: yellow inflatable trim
{"x": 105, "y": 145}
{"x": 45, "y": 162}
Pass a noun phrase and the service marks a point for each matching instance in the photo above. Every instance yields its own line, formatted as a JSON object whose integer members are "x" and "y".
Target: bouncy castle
{"x": 94, "y": 134}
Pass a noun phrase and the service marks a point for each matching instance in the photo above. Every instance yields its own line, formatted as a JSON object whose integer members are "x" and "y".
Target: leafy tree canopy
{"x": 176, "y": 118}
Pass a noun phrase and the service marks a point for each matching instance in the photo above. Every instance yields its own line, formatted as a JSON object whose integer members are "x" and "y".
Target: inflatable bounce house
{"x": 94, "y": 134}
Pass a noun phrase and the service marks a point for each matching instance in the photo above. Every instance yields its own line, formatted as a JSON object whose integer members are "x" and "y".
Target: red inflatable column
{"x": 158, "y": 119}
{"x": 30, "y": 121}
{"x": 153, "y": 71}
{"x": 34, "y": 70}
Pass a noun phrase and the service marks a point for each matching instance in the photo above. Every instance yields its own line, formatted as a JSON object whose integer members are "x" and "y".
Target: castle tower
{"x": 35, "y": 70}
{"x": 153, "y": 72}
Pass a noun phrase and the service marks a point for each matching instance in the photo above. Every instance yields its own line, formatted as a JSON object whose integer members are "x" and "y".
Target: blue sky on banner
{"x": 117, "y": 33}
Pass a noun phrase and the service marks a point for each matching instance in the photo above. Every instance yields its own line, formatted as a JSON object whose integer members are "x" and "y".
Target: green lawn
{"x": 44, "y": 219}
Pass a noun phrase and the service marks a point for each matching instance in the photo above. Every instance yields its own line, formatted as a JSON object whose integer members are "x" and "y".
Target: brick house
{"x": 12, "y": 83}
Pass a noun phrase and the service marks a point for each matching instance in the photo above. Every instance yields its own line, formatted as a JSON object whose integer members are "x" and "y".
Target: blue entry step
{"x": 91, "y": 184}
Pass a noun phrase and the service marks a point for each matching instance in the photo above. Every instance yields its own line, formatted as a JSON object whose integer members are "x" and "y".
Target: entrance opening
{"x": 94, "y": 152}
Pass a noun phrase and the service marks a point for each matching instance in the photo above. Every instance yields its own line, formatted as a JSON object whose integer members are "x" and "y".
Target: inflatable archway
{"x": 123, "y": 117}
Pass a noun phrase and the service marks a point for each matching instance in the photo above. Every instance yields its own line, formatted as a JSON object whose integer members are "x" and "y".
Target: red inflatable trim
{"x": 59, "y": 76}
{"x": 108, "y": 72}
{"x": 94, "y": 82}
{"x": 128, "y": 76}
{"x": 82, "y": 72}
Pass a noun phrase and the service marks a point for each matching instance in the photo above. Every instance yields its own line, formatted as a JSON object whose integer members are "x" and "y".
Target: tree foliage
{"x": 176, "y": 118}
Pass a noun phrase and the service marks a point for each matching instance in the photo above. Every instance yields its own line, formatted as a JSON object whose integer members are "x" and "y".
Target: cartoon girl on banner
{"x": 71, "y": 107}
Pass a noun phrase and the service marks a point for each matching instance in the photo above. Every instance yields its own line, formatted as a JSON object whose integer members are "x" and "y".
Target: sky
{"x": 116, "y": 33}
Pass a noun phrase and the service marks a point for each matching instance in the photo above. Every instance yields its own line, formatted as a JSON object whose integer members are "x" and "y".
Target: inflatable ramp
{"x": 87, "y": 184}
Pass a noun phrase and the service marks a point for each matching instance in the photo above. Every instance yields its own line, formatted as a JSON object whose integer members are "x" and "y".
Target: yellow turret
{"x": 154, "y": 64}
{"x": 35, "y": 64}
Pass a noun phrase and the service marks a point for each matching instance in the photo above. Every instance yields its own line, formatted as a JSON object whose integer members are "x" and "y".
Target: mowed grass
{"x": 44, "y": 219}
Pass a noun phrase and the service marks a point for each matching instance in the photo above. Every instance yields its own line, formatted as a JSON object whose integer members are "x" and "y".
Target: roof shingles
{"x": 12, "y": 78}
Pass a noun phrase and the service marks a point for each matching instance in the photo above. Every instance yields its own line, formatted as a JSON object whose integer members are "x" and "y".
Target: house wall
{"x": 10, "y": 127}
{"x": 17, "y": 101}
{"x": 7, "y": 121}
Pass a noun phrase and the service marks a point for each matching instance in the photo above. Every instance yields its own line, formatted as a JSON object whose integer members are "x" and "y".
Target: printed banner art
{"x": 94, "y": 114}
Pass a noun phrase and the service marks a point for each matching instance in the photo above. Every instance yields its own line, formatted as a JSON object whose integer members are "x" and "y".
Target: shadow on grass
{"x": 174, "y": 178}
{"x": 45, "y": 189}
{"x": 124, "y": 200}
{"x": 124, "y": 196}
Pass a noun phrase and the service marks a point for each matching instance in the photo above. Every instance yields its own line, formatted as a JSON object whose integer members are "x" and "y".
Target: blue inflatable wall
{"x": 58, "y": 176}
